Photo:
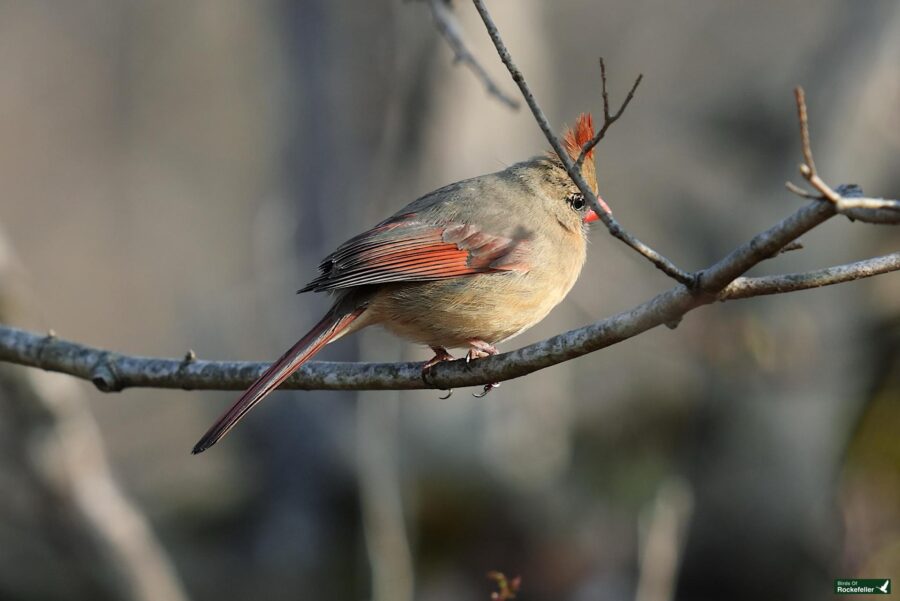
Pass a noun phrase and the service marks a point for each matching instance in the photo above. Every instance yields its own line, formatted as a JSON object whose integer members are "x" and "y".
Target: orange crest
{"x": 576, "y": 137}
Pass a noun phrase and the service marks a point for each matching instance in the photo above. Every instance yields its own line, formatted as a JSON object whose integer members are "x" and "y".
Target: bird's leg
{"x": 440, "y": 355}
{"x": 477, "y": 350}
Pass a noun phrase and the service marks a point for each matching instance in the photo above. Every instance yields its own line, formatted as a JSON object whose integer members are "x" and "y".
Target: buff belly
{"x": 449, "y": 313}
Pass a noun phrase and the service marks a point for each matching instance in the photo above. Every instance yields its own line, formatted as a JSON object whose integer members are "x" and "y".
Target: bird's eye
{"x": 576, "y": 200}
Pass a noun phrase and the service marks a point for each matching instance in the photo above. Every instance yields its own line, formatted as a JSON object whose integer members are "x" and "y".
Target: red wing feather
{"x": 405, "y": 250}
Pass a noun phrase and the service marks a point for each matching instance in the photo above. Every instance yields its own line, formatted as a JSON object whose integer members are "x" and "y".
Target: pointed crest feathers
{"x": 576, "y": 137}
{"x": 574, "y": 140}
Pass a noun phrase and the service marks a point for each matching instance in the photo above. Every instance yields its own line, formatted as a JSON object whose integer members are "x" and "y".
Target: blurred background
{"x": 173, "y": 171}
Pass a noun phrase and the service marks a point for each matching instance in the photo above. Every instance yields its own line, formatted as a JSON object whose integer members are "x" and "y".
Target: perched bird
{"x": 468, "y": 265}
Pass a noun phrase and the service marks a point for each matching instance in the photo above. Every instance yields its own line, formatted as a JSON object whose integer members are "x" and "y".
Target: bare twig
{"x": 803, "y": 119}
{"x": 661, "y": 262}
{"x": 869, "y": 210}
{"x": 792, "y": 187}
{"x": 847, "y": 201}
{"x": 448, "y": 26}
{"x": 608, "y": 118}
{"x": 792, "y": 282}
{"x": 795, "y": 245}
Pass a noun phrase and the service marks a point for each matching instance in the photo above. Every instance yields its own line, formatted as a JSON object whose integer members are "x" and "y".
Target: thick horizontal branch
{"x": 112, "y": 372}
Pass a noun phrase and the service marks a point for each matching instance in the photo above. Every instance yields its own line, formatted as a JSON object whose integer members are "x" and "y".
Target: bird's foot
{"x": 440, "y": 355}
{"x": 479, "y": 349}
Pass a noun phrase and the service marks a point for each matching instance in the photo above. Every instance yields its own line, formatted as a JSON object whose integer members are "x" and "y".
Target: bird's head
{"x": 573, "y": 141}
{"x": 566, "y": 201}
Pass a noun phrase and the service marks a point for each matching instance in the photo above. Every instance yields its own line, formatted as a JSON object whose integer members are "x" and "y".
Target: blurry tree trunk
{"x": 336, "y": 179}
{"x": 57, "y": 457}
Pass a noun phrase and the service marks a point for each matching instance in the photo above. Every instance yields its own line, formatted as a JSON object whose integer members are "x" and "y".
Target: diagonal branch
{"x": 661, "y": 262}
{"x": 448, "y": 26}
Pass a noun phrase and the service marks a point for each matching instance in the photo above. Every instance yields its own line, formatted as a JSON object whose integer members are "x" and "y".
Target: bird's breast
{"x": 491, "y": 307}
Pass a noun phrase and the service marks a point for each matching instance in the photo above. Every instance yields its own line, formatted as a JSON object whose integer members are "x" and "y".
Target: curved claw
{"x": 448, "y": 395}
{"x": 487, "y": 389}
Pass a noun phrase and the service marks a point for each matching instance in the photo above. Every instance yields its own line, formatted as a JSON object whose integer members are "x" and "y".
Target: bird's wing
{"x": 403, "y": 249}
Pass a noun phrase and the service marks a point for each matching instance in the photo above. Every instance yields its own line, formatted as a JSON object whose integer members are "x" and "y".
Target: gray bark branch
{"x": 112, "y": 372}
{"x": 792, "y": 282}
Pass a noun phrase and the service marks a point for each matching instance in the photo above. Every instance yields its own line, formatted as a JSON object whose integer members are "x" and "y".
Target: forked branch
{"x": 847, "y": 200}
{"x": 608, "y": 118}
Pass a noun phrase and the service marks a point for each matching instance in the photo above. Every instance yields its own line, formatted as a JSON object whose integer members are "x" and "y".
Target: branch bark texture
{"x": 112, "y": 372}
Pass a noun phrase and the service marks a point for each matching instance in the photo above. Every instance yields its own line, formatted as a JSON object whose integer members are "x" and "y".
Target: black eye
{"x": 576, "y": 201}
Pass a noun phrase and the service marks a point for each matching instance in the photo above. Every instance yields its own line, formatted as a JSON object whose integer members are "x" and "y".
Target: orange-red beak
{"x": 591, "y": 216}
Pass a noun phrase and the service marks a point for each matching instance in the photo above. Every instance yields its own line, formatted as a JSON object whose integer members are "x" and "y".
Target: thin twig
{"x": 608, "y": 119}
{"x": 795, "y": 245}
{"x": 792, "y": 187}
{"x": 869, "y": 204}
{"x": 803, "y": 119}
{"x": 792, "y": 282}
{"x": 661, "y": 262}
{"x": 448, "y": 26}
{"x": 870, "y": 210}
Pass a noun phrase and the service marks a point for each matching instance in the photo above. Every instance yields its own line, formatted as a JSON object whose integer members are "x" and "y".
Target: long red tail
{"x": 322, "y": 333}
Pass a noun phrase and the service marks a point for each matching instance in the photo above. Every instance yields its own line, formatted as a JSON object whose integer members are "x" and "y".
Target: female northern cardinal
{"x": 468, "y": 265}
